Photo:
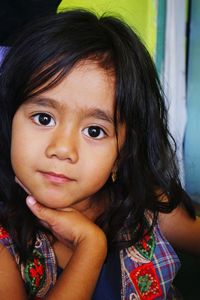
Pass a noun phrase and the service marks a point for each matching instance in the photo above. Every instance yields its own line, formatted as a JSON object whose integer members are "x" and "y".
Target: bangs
{"x": 53, "y": 72}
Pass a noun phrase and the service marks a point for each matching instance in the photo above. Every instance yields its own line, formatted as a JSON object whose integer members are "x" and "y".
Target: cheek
{"x": 16, "y": 149}
{"x": 98, "y": 168}
{"x": 21, "y": 150}
{"x": 18, "y": 156}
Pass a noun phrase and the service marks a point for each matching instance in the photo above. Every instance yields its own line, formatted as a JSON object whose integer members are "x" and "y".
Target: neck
{"x": 96, "y": 206}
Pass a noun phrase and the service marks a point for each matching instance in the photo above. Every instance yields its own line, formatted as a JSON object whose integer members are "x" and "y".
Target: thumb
{"x": 42, "y": 212}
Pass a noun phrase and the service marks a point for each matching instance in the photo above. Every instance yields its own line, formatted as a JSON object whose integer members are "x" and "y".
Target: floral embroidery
{"x": 146, "y": 282}
{"x": 146, "y": 246}
{"x": 35, "y": 272}
{"x": 3, "y": 233}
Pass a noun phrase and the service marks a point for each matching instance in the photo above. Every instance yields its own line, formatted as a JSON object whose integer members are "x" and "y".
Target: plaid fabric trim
{"x": 43, "y": 246}
{"x": 165, "y": 264}
{"x": 44, "y": 249}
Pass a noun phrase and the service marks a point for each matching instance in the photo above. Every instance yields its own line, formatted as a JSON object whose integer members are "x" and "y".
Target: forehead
{"x": 86, "y": 85}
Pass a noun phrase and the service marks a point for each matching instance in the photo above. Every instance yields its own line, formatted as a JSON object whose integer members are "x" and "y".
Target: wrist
{"x": 94, "y": 242}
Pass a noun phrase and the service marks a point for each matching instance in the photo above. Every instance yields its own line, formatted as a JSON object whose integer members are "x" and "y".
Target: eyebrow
{"x": 98, "y": 114}
{"x": 42, "y": 101}
{"x": 87, "y": 113}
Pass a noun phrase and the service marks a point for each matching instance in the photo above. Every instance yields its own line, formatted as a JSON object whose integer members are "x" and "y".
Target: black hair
{"x": 147, "y": 171}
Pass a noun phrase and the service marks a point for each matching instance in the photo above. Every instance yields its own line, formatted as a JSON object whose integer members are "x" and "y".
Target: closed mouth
{"x": 56, "y": 177}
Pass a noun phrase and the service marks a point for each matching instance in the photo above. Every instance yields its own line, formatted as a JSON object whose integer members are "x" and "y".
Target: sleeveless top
{"x": 147, "y": 269}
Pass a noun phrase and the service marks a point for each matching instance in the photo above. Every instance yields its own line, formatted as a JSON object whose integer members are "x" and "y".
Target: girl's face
{"x": 64, "y": 145}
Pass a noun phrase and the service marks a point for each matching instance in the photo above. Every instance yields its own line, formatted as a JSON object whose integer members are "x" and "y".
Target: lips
{"x": 56, "y": 177}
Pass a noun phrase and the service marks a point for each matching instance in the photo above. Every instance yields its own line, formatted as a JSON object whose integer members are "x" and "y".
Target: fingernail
{"x": 30, "y": 200}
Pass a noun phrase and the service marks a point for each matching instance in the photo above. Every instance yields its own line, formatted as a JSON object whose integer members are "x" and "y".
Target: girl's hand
{"x": 81, "y": 273}
{"x": 69, "y": 226}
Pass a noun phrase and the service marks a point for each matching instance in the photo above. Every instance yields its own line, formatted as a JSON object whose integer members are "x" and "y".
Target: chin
{"x": 50, "y": 199}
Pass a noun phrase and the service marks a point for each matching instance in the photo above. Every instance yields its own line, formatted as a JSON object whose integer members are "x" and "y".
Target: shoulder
{"x": 180, "y": 227}
{"x": 182, "y": 231}
{"x": 5, "y": 256}
{"x": 11, "y": 282}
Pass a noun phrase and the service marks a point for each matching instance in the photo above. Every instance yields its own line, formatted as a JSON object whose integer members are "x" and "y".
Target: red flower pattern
{"x": 3, "y": 233}
{"x": 144, "y": 242}
{"x": 146, "y": 282}
{"x": 36, "y": 271}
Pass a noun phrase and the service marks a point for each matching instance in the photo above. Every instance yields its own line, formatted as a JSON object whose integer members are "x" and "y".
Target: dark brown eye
{"x": 95, "y": 132}
{"x": 43, "y": 119}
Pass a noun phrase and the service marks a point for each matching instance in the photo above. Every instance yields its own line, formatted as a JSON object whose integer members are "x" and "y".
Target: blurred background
{"x": 170, "y": 29}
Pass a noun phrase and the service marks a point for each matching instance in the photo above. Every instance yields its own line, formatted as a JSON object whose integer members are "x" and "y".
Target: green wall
{"x": 192, "y": 137}
{"x": 139, "y": 14}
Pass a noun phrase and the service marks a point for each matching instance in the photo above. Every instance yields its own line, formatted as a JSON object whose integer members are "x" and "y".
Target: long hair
{"x": 41, "y": 57}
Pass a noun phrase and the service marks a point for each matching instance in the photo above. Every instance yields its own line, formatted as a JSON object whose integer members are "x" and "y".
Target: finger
{"x": 67, "y": 209}
{"x": 43, "y": 213}
{"x": 45, "y": 224}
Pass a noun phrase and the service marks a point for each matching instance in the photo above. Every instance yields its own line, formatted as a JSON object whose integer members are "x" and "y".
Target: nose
{"x": 63, "y": 146}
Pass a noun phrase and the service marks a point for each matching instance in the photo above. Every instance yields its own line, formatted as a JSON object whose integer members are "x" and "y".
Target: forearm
{"x": 79, "y": 278}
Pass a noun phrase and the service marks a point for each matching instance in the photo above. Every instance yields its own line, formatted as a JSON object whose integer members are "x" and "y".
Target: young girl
{"x": 84, "y": 142}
